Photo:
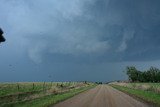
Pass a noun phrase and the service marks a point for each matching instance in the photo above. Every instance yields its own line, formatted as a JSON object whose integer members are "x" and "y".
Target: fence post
{"x": 33, "y": 86}
{"x": 51, "y": 84}
{"x": 43, "y": 86}
{"x": 18, "y": 86}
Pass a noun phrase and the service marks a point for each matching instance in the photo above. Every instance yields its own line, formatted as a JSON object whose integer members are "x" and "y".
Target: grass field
{"x": 14, "y": 88}
{"x": 154, "y": 87}
{"x": 38, "y": 94}
{"x": 149, "y": 92}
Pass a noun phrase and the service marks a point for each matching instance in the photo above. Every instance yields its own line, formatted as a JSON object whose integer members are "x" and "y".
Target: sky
{"x": 77, "y": 40}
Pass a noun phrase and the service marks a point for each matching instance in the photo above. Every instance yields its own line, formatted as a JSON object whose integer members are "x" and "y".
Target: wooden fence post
{"x": 51, "y": 84}
{"x": 33, "y": 86}
{"x": 18, "y": 86}
{"x": 43, "y": 86}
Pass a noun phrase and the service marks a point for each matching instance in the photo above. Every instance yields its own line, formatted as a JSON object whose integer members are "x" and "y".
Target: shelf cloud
{"x": 83, "y": 31}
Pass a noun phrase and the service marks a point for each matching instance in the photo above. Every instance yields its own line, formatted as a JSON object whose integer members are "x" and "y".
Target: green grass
{"x": 157, "y": 85}
{"x": 148, "y": 96}
{"x": 154, "y": 87}
{"x": 21, "y": 87}
{"x": 33, "y": 93}
{"x": 50, "y": 99}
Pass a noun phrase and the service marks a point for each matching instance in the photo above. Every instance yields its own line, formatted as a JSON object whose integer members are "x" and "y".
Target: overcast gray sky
{"x": 75, "y": 40}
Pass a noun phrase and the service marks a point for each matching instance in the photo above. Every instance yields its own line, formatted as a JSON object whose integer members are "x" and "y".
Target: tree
{"x": 132, "y": 73}
{"x": 151, "y": 75}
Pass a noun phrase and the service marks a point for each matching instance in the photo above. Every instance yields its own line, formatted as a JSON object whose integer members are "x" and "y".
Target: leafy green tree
{"x": 151, "y": 75}
{"x": 132, "y": 73}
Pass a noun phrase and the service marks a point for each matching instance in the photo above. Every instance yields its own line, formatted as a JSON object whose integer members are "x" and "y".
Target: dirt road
{"x": 101, "y": 96}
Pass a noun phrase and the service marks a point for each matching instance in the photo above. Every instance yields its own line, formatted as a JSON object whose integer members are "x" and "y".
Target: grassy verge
{"x": 50, "y": 99}
{"x": 147, "y": 96}
{"x": 23, "y": 87}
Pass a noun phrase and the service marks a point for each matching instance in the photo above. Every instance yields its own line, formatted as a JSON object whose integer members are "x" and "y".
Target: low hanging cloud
{"x": 111, "y": 29}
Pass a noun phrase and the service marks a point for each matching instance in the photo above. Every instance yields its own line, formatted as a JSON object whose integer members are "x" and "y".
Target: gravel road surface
{"x": 102, "y": 96}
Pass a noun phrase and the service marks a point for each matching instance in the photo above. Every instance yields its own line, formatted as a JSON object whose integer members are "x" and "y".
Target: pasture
{"x": 26, "y": 93}
{"x": 149, "y": 92}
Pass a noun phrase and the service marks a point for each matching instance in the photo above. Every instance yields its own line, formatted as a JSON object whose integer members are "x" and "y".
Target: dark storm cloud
{"x": 110, "y": 29}
{"x": 61, "y": 35}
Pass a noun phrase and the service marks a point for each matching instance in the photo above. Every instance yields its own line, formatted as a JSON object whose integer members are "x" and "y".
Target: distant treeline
{"x": 150, "y": 75}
